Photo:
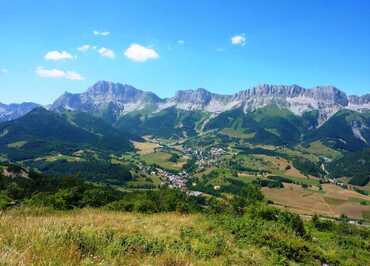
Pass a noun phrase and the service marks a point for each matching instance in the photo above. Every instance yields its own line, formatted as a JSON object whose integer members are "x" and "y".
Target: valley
{"x": 182, "y": 143}
{"x": 112, "y": 162}
{"x": 184, "y": 133}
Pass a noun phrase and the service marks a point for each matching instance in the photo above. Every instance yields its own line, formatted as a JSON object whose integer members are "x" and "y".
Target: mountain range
{"x": 123, "y": 99}
{"x": 102, "y": 122}
{"x": 119, "y": 99}
{"x": 13, "y": 111}
{"x": 268, "y": 114}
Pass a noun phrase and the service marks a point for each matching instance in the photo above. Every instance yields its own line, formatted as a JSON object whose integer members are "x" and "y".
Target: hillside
{"x": 267, "y": 125}
{"x": 346, "y": 130}
{"x": 71, "y": 222}
{"x": 288, "y": 140}
{"x": 170, "y": 122}
{"x": 42, "y": 132}
{"x": 94, "y": 236}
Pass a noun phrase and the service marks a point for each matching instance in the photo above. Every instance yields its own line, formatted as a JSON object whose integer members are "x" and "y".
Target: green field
{"x": 320, "y": 149}
{"x": 237, "y": 133}
{"x": 163, "y": 159}
{"x": 17, "y": 144}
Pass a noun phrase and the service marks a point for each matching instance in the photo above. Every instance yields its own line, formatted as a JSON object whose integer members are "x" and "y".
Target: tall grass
{"x": 97, "y": 237}
{"x": 262, "y": 236}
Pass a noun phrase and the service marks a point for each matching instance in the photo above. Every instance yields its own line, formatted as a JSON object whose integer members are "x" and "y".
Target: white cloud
{"x": 180, "y": 42}
{"x": 71, "y": 75}
{"x": 105, "y": 52}
{"x": 101, "y": 33}
{"x": 57, "y": 73}
{"x": 4, "y": 71}
{"x": 57, "y": 55}
{"x": 85, "y": 48}
{"x": 140, "y": 54}
{"x": 239, "y": 39}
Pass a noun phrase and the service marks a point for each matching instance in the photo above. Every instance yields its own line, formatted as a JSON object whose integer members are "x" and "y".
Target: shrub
{"x": 145, "y": 206}
{"x": 293, "y": 221}
{"x": 251, "y": 193}
{"x": 139, "y": 244}
{"x": 322, "y": 225}
{"x": 66, "y": 199}
{"x": 4, "y": 201}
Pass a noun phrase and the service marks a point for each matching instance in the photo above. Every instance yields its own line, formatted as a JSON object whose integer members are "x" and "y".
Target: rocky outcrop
{"x": 106, "y": 94}
{"x": 124, "y": 99}
{"x": 13, "y": 111}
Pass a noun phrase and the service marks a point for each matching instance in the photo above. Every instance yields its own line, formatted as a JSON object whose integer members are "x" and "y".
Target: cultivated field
{"x": 145, "y": 147}
{"x": 282, "y": 166}
{"x": 163, "y": 159}
{"x": 332, "y": 201}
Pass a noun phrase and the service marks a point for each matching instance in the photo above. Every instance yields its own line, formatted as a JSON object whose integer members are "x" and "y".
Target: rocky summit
{"x": 124, "y": 99}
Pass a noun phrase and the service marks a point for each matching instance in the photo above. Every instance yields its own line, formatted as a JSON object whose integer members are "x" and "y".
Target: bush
{"x": 145, "y": 206}
{"x": 162, "y": 200}
{"x": 139, "y": 244}
{"x": 293, "y": 221}
{"x": 251, "y": 193}
{"x": 66, "y": 199}
{"x": 322, "y": 225}
{"x": 97, "y": 197}
{"x": 4, "y": 201}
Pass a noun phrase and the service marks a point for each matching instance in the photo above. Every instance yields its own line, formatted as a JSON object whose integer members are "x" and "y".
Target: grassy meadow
{"x": 163, "y": 159}
{"x": 101, "y": 237}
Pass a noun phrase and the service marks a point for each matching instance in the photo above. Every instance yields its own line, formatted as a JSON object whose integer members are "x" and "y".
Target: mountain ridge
{"x": 40, "y": 132}
{"x": 15, "y": 110}
{"x": 115, "y": 100}
{"x": 124, "y": 99}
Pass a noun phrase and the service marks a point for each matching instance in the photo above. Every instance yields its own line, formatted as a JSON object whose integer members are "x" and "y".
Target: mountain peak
{"x": 13, "y": 111}
{"x": 198, "y": 96}
{"x": 122, "y": 99}
{"x": 329, "y": 94}
{"x": 103, "y": 94}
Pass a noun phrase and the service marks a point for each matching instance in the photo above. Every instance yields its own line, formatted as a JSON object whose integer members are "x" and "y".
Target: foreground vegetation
{"x": 65, "y": 221}
{"x": 48, "y": 220}
{"x": 261, "y": 236}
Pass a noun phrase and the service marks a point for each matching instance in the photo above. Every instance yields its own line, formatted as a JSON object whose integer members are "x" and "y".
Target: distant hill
{"x": 353, "y": 165}
{"x": 41, "y": 132}
{"x": 267, "y": 125}
{"x": 346, "y": 130}
{"x": 170, "y": 122}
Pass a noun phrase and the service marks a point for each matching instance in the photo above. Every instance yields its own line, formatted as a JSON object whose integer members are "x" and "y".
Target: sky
{"x": 48, "y": 47}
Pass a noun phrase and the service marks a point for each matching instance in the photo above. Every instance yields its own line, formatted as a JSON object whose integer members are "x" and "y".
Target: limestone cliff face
{"x": 106, "y": 94}
{"x": 123, "y": 99}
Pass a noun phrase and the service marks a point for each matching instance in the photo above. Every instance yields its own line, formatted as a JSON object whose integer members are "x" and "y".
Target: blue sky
{"x": 164, "y": 46}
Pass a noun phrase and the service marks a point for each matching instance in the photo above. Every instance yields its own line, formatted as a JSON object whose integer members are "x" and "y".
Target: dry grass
{"x": 333, "y": 201}
{"x": 282, "y": 164}
{"x": 98, "y": 237}
{"x": 335, "y": 191}
{"x": 145, "y": 147}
